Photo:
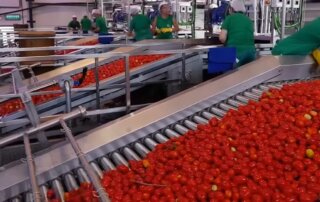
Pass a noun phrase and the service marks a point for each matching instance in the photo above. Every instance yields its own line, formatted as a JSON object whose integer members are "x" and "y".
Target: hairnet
{"x": 238, "y": 5}
{"x": 74, "y": 16}
{"x": 134, "y": 10}
{"x": 162, "y": 4}
{"x": 96, "y": 11}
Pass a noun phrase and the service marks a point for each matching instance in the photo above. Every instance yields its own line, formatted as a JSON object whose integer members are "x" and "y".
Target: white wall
{"x": 50, "y": 16}
{"x": 47, "y": 16}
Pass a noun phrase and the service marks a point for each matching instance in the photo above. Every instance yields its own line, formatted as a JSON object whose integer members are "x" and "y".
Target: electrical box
{"x": 189, "y": 9}
{"x": 295, "y": 3}
{"x": 278, "y": 3}
{"x": 183, "y": 9}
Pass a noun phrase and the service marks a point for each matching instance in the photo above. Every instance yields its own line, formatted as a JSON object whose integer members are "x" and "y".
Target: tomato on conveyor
{"x": 89, "y": 43}
{"x": 105, "y": 71}
{"x": 265, "y": 151}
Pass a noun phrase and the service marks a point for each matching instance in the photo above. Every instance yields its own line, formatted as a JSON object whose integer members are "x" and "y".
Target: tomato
{"x": 257, "y": 153}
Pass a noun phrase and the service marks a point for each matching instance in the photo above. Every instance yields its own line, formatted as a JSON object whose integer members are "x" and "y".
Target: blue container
{"x": 221, "y": 59}
{"x": 104, "y": 39}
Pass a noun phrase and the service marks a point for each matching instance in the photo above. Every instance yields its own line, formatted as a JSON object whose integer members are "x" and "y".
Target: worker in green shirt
{"x": 100, "y": 27}
{"x": 237, "y": 31}
{"x": 85, "y": 24}
{"x": 164, "y": 24}
{"x": 74, "y": 25}
{"x": 304, "y": 42}
{"x": 140, "y": 25}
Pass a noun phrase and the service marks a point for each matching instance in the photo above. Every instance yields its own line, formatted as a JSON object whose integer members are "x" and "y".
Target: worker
{"x": 100, "y": 27}
{"x": 74, "y": 25}
{"x": 237, "y": 31}
{"x": 85, "y": 24}
{"x": 164, "y": 24}
{"x": 140, "y": 25}
{"x": 304, "y": 42}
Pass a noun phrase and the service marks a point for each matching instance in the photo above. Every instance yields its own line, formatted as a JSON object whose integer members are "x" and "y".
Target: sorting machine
{"x": 133, "y": 136}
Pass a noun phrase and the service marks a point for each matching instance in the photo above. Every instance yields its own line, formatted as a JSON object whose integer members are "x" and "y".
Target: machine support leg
{"x": 67, "y": 89}
{"x": 94, "y": 178}
{"x": 128, "y": 86}
{"x": 32, "y": 170}
{"x": 283, "y": 22}
{"x": 183, "y": 68}
{"x": 96, "y": 74}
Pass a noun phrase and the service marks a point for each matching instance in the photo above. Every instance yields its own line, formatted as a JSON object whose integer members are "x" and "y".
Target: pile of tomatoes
{"x": 89, "y": 43}
{"x": 105, "y": 71}
{"x": 265, "y": 151}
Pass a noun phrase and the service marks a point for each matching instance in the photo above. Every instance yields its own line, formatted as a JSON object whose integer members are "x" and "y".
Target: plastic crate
{"x": 105, "y": 40}
{"x": 221, "y": 59}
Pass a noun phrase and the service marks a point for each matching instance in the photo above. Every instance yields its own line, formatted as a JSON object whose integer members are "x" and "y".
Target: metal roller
{"x": 171, "y": 133}
{"x": 151, "y": 144}
{"x": 242, "y": 99}
{"x": 263, "y": 87}
{"x": 181, "y": 129}
{"x": 58, "y": 189}
{"x": 28, "y": 197}
{"x": 251, "y": 96}
{"x": 107, "y": 164}
{"x": 217, "y": 111}
{"x": 119, "y": 159}
{"x": 70, "y": 182}
{"x": 160, "y": 138}
{"x": 43, "y": 192}
{"x": 96, "y": 169}
{"x": 142, "y": 150}
{"x": 226, "y": 107}
{"x": 257, "y": 91}
{"x": 191, "y": 125}
{"x": 83, "y": 177}
{"x": 130, "y": 155}
{"x": 234, "y": 103}
{"x": 273, "y": 86}
{"x": 200, "y": 120}
{"x": 208, "y": 115}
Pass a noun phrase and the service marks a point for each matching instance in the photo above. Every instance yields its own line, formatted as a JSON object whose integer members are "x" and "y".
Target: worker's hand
{"x": 316, "y": 56}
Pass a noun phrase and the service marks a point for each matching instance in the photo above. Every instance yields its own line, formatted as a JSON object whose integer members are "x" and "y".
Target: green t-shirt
{"x": 240, "y": 32}
{"x": 140, "y": 24}
{"x": 163, "y": 25}
{"x": 302, "y": 42}
{"x": 101, "y": 23}
{"x": 86, "y": 24}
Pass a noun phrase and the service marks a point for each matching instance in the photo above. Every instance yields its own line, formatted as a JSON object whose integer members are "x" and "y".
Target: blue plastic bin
{"x": 221, "y": 59}
{"x": 105, "y": 40}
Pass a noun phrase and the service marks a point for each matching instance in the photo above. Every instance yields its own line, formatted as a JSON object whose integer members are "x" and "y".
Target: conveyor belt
{"x": 54, "y": 106}
{"x": 133, "y": 136}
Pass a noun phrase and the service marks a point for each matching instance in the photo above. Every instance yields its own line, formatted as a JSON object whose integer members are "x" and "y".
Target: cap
{"x": 162, "y": 4}
{"x": 238, "y": 5}
{"x": 74, "y": 16}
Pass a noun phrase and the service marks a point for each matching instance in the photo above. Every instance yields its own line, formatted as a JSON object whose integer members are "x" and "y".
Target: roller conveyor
{"x": 133, "y": 136}
{"x": 153, "y": 71}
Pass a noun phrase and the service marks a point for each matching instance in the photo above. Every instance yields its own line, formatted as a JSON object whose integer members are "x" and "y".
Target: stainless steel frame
{"x": 172, "y": 116}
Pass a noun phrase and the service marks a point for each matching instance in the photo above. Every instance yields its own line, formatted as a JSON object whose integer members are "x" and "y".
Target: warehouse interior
{"x": 159, "y": 100}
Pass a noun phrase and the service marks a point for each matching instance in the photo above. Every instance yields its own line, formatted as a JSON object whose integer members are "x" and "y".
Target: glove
{"x": 316, "y": 55}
